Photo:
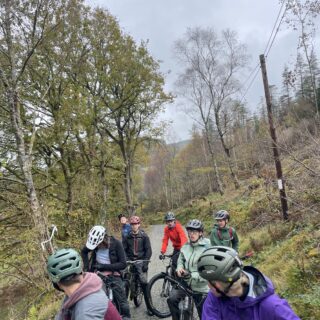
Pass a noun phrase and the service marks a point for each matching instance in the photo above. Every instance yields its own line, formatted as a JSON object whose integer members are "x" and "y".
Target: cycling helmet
{"x": 96, "y": 236}
{"x": 195, "y": 224}
{"x": 134, "y": 220}
{"x": 169, "y": 216}
{"x": 222, "y": 215}
{"x": 220, "y": 264}
{"x": 63, "y": 263}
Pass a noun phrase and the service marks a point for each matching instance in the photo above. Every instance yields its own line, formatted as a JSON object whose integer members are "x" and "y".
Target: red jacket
{"x": 176, "y": 235}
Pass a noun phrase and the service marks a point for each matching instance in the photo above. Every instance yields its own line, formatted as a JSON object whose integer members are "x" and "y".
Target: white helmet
{"x": 95, "y": 237}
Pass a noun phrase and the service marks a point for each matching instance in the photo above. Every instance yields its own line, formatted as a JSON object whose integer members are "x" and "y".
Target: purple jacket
{"x": 266, "y": 306}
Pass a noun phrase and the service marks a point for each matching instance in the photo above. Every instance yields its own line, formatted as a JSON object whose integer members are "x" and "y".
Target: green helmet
{"x": 220, "y": 264}
{"x": 63, "y": 263}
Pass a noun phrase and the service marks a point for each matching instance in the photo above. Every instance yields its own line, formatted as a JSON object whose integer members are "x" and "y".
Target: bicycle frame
{"x": 132, "y": 279}
{"x": 187, "y": 303}
{"x": 109, "y": 286}
{"x": 169, "y": 266}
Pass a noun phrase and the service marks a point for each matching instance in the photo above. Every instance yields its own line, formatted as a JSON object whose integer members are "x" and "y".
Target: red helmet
{"x": 134, "y": 220}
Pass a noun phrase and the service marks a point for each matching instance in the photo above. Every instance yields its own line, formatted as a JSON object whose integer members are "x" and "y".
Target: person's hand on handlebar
{"x": 181, "y": 272}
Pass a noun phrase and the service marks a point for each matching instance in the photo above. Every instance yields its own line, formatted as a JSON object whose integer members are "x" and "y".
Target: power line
{"x": 274, "y": 26}
{"x": 278, "y": 28}
{"x": 272, "y": 36}
{"x": 256, "y": 70}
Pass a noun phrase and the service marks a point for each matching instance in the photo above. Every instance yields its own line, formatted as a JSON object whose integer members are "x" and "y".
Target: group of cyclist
{"x": 223, "y": 288}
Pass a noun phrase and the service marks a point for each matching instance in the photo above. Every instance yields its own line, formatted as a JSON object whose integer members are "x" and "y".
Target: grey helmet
{"x": 195, "y": 224}
{"x": 169, "y": 216}
{"x": 220, "y": 264}
{"x": 222, "y": 215}
{"x": 64, "y": 263}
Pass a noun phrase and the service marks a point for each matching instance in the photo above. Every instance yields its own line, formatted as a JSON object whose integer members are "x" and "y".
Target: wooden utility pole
{"x": 281, "y": 186}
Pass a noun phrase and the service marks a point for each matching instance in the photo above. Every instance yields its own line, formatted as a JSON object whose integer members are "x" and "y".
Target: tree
{"x": 303, "y": 14}
{"x": 210, "y": 82}
{"x": 24, "y": 27}
{"x": 127, "y": 88}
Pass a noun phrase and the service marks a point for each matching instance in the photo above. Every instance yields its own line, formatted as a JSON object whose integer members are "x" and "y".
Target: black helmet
{"x": 195, "y": 224}
{"x": 222, "y": 215}
{"x": 169, "y": 216}
{"x": 220, "y": 264}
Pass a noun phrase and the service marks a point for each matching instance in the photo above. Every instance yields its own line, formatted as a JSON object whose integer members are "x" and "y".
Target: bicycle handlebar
{"x": 183, "y": 286}
{"x": 165, "y": 256}
{"x": 185, "y": 275}
{"x": 136, "y": 261}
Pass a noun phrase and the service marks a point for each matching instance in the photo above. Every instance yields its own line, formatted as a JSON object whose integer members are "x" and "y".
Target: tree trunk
{"x": 38, "y": 217}
{"x": 103, "y": 209}
{"x": 214, "y": 163}
{"x": 227, "y": 152}
{"x": 128, "y": 187}
{"x": 68, "y": 181}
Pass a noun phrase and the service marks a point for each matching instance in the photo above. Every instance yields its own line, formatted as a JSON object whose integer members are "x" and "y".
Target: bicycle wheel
{"x": 158, "y": 291}
{"x": 138, "y": 296}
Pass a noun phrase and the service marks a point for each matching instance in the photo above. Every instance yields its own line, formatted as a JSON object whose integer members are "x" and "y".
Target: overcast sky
{"x": 164, "y": 21}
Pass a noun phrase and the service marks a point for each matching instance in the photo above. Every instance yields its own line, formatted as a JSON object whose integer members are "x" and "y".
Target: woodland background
{"x": 79, "y": 145}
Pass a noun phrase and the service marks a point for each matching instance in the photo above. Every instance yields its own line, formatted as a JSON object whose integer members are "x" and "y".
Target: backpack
{"x": 230, "y": 233}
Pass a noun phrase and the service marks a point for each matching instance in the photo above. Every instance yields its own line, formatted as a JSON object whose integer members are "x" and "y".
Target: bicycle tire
{"x": 138, "y": 297}
{"x": 158, "y": 290}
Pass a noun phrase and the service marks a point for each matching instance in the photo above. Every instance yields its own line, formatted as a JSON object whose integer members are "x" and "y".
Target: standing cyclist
{"x": 108, "y": 258}
{"x": 85, "y": 299}
{"x": 238, "y": 292}
{"x": 187, "y": 265}
{"x": 222, "y": 234}
{"x": 137, "y": 247}
{"x": 175, "y": 233}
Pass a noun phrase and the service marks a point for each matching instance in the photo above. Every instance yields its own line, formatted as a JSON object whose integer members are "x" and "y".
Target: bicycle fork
{"x": 165, "y": 289}
{"x": 185, "y": 306}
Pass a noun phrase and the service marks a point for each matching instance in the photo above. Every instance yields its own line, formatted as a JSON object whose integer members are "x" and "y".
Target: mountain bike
{"x": 132, "y": 281}
{"x": 109, "y": 285}
{"x": 159, "y": 289}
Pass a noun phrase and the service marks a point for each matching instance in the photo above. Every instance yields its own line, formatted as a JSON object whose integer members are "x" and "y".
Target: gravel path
{"x": 155, "y": 234}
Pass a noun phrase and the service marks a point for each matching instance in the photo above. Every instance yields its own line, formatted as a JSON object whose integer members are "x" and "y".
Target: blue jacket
{"x": 126, "y": 228}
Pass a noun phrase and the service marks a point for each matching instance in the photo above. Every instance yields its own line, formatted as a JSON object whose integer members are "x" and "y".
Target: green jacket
{"x": 222, "y": 237}
{"x": 188, "y": 260}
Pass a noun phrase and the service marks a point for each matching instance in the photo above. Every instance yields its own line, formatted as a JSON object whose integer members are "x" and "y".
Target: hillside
{"x": 287, "y": 252}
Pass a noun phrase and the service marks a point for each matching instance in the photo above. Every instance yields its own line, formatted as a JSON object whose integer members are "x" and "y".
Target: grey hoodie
{"x": 88, "y": 302}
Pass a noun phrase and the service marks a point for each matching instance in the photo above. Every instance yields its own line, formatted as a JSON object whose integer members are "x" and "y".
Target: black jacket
{"x": 116, "y": 254}
{"x": 137, "y": 246}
